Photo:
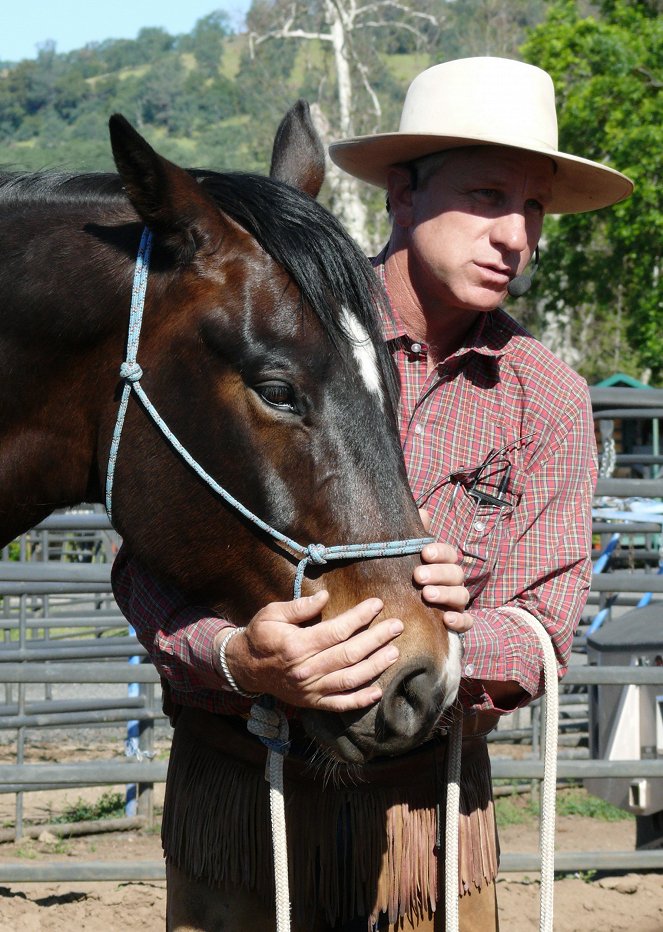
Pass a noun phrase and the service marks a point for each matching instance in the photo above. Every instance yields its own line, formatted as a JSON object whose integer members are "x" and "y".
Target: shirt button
{"x": 418, "y": 429}
{"x": 415, "y": 347}
{"x": 479, "y": 526}
{"x": 469, "y": 669}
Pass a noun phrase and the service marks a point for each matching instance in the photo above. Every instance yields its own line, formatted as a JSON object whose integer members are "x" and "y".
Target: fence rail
{"x": 43, "y": 660}
{"x": 119, "y": 871}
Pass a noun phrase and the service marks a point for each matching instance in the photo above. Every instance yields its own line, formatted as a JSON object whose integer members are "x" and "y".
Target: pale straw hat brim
{"x": 470, "y": 94}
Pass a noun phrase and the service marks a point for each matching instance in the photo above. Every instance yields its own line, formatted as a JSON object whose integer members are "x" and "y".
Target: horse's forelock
{"x": 332, "y": 274}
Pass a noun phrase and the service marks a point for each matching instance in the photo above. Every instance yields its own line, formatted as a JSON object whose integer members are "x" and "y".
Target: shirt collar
{"x": 486, "y": 337}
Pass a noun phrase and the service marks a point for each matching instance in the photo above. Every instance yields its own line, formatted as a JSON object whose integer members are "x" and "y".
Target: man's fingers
{"x": 296, "y": 612}
{"x": 458, "y": 621}
{"x": 359, "y": 675}
{"x": 339, "y": 629}
{"x": 439, "y": 574}
{"x": 349, "y": 702}
{"x": 454, "y": 598}
{"x": 439, "y": 553}
{"x": 369, "y": 652}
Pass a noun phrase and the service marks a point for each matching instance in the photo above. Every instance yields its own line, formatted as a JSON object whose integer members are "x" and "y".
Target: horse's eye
{"x": 277, "y": 394}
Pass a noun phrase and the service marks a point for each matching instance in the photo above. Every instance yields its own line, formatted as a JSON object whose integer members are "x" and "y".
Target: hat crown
{"x": 483, "y": 101}
{"x": 491, "y": 99}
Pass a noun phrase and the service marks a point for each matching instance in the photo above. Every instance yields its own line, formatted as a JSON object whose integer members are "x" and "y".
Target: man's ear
{"x": 399, "y": 190}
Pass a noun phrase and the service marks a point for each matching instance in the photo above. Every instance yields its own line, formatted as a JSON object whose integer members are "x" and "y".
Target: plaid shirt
{"x": 502, "y": 417}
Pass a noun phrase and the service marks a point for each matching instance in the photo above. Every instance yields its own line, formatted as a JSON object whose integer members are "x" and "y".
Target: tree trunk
{"x": 346, "y": 198}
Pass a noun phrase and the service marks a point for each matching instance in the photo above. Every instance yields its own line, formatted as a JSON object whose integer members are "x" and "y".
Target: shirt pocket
{"x": 476, "y": 529}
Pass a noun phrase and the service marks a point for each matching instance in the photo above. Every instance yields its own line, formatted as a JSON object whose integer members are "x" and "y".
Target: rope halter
{"x": 131, "y": 374}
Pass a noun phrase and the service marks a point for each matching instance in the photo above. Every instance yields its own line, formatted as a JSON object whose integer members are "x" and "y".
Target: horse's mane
{"x": 300, "y": 235}
{"x": 50, "y": 187}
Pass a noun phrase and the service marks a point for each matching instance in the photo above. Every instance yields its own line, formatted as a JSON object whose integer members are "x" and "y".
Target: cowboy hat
{"x": 483, "y": 101}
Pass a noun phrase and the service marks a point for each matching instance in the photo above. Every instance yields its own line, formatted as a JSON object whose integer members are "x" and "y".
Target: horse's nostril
{"x": 410, "y": 704}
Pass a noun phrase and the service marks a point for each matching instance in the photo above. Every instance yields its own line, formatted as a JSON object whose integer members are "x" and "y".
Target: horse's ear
{"x": 165, "y": 196}
{"x": 298, "y": 156}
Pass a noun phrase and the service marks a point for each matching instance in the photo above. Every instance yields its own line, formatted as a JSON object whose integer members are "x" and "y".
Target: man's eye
{"x": 277, "y": 394}
{"x": 490, "y": 194}
{"x": 534, "y": 205}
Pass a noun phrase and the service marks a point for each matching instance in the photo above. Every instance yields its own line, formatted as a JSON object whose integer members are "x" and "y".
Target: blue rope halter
{"x": 131, "y": 374}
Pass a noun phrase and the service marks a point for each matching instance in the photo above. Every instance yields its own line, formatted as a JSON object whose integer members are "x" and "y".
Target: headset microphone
{"x": 522, "y": 283}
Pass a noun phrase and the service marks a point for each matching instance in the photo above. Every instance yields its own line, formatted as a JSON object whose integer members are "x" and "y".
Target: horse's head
{"x": 261, "y": 348}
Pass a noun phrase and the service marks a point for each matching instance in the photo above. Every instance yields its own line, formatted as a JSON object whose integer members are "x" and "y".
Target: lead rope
{"x": 547, "y": 824}
{"x": 271, "y": 726}
{"x": 274, "y": 724}
{"x": 452, "y": 818}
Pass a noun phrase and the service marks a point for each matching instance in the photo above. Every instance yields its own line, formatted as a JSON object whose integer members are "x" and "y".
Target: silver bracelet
{"x": 224, "y": 664}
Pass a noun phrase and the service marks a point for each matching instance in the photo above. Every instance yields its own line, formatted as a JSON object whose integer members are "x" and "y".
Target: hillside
{"x": 201, "y": 97}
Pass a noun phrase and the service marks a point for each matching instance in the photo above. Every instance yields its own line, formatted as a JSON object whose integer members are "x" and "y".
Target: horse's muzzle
{"x": 405, "y": 717}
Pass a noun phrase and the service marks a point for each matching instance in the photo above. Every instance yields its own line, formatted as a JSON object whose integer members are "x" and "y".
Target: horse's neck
{"x": 52, "y": 382}
{"x": 46, "y": 455}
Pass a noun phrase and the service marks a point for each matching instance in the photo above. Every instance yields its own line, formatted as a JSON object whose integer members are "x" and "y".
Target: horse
{"x": 262, "y": 350}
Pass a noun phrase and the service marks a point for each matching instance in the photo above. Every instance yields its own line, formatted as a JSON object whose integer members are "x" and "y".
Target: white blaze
{"x": 452, "y": 670}
{"x": 364, "y": 353}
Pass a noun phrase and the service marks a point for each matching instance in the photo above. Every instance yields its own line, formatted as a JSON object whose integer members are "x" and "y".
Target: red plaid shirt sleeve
{"x": 179, "y": 637}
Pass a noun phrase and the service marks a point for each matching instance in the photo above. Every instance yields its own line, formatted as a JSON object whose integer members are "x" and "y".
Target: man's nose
{"x": 510, "y": 231}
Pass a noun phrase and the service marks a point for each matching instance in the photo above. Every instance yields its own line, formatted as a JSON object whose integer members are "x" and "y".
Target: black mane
{"x": 60, "y": 188}
{"x": 300, "y": 235}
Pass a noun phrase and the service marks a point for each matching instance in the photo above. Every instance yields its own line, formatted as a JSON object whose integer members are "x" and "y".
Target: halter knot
{"x": 270, "y": 725}
{"x": 131, "y": 372}
{"x": 316, "y": 554}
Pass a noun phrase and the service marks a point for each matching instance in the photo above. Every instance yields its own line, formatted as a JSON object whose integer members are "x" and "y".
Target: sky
{"x": 74, "y": 23}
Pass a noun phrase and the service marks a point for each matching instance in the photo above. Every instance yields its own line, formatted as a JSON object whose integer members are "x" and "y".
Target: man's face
{"x": 473, "y": 225}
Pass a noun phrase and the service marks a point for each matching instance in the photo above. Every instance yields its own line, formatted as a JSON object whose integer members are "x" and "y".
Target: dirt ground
{"x": 631, "y": 902}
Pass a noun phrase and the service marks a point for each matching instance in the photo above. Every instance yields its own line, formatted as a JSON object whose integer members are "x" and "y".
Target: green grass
{"x": 576, "y": 801}
{"x": 572, "y": 801}
{"x": 232, "y": 54}
{"x": 24, "y": 850}
{"x": 109, "y": 806}
{"x": 404, "y": 68}
{"x": 514, "y": 810}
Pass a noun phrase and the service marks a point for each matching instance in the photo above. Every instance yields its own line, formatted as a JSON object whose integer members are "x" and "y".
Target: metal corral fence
{"x": 48, "y": 594}
{"x": 57, "y": 609}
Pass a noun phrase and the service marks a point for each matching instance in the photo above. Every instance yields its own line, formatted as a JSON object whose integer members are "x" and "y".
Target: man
{"x": 497, "y": 435}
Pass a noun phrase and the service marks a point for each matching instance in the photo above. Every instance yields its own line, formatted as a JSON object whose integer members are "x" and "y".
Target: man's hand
{"x": 331, "y": 665}
{"x": 442, "y": 580}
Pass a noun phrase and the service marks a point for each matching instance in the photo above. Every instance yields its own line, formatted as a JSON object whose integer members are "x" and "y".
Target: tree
{"x": 600, "y": 285}
{"x": 206, "y": 42}
{"x": 487, "y": 27}
{"x": 344, "y": 30}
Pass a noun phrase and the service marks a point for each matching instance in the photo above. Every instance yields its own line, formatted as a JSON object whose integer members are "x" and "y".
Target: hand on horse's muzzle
{"x": 329, "y": 665}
